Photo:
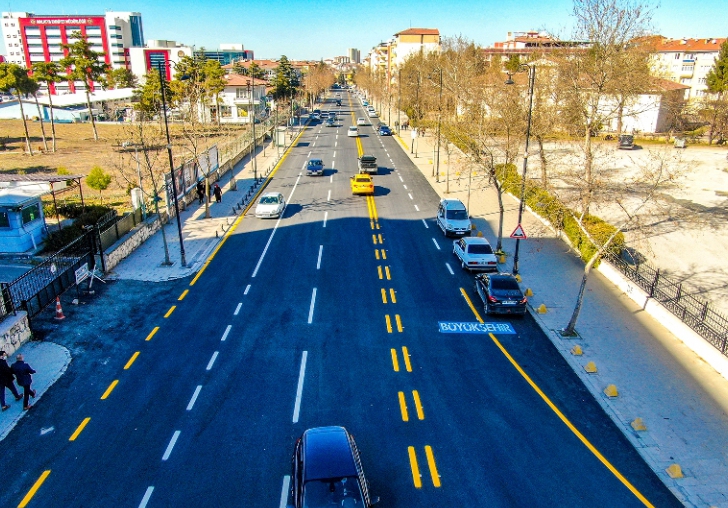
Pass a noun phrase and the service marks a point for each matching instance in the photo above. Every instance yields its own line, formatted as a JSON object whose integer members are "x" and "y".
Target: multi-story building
{"x": 687, "y": 61}
{"x": 389, "y": 56}
{"x": 530, "y": 45}
{"x": 354, "y": 55}
{"x": 227, "y": 54}
{"x": 156, "y": 53}
{"x": 31, "y": 38}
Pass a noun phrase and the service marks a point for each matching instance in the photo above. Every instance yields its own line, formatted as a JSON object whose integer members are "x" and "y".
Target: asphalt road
{"x": 328, "y": 316}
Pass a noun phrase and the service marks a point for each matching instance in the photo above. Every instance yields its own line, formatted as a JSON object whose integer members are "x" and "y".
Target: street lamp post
{"x": 439, "y": 119}
{"x": 399, "y": 100}
{"x": 531, "y": 79}
{"x": 160, "y": 67}
{"x": 251, "y": 118}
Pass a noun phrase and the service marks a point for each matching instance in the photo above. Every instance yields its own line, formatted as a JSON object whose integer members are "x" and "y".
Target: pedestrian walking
{"x": 23, "y": 373}
{"x": 6, "y": 380}
{"x": 200, "y": 191}
{"x": 218, "y": 193}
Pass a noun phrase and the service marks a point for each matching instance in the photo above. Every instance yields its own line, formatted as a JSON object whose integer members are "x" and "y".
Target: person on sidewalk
{"x": 6, "y": 380}
{"x": 200, "y": 191}
{"x": 23, "y": 373}
{"x": 218, "y": 193}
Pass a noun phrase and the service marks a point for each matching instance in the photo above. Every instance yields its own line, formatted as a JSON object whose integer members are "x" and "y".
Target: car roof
{"x": 271, "y": 194}
{"x": 475, "y": 240}
{"x": 353, "y": 127}
{"x": 367, "y": 157}
{"x": 452, "y": 204}
{"x": 327, "y": 454}
{"x": 317, "y": 161}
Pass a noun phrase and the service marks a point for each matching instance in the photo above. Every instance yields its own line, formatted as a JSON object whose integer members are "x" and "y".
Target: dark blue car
{"x": 384, "y": 130}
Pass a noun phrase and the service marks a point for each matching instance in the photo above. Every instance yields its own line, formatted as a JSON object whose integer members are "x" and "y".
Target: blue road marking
{"x": 475, "y": 327}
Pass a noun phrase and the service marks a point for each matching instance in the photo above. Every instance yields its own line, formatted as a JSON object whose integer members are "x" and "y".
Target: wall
{"x": 126, "y": 246}
{"x": 14, "y": 332}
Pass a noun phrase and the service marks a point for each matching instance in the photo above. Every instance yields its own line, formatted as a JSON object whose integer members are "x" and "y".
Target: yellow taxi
{"x": 362, "y": 184}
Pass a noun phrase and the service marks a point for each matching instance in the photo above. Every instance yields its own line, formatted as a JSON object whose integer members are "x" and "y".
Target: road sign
{"x": 519, "y": 233}
{"x": 475, "y": 327}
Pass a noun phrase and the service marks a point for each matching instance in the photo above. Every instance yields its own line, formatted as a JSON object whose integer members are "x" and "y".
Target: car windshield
{"x": 315, "y": 162}
{"x": 480, "y": 249}
{"x": 362, "y": 179}
{"x": 457, "y": 214}
{"x": 269, "y": 200}
{"x": 335, "y": 492}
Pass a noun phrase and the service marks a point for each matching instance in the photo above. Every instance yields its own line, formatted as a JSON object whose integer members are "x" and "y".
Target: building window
{"x": 4, "y": 220}
{"x": 688, "y": 68}
{"x": 685, "y": 81}
{"x": 31, "y": 213}
{"x": 677, "y": 56}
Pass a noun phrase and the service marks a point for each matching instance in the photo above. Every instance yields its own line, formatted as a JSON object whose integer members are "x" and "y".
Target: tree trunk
{"x": 588, "y": 163}
{"x": 217, "y": 103}
{"x": 620, "y": 112}
{"x": 25, "y": 125}
{"x": 42, "y": 125}
{"x": 53, "y": 123}
{"x": 91, "y": 113}
{"x": 501, "y": 214}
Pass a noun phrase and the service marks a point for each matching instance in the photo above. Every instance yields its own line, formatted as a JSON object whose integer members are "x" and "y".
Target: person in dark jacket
{"x": 218, "y": 193}
{"x": 6, "y": 380}
{"x": 200, "y": 191}
{"x": 23, "y": 373}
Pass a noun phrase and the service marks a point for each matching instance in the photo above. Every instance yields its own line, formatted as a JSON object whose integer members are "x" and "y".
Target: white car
{"x": 361, "y": 121}
{"x": 270, "y": 206}
{"x": 475, "y": 253}
{"x": 372, "y": 114}
{"x": 453, "y": 218}
{"x": 353, "y": 131}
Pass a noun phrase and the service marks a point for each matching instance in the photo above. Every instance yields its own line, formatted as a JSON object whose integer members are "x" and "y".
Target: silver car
{"x": 270, "y": 205}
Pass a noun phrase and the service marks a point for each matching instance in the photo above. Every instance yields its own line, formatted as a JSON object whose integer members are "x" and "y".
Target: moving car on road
{"x": 330, "y": 122}
{"x": 362, "y": 184}
{"x": 270, "y": 206}
{"x": 361, "y": 121}
{"x": 353, "y": 131}
{"x": 475, "y": 253}
{"x": 384, "y": 130}
{"x": 453, "y": 218}
{"x": 500, "y": 294}
{"x": 327, "y": 471}
{"x": 314, "y": 167}
{"x": 368, "y": 164}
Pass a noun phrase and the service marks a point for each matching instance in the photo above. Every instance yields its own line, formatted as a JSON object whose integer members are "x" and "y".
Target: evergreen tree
{"x": 716, "y": 109}
{"x": 14, "y": 78}
{"x": 285, "y": 82}
{"x": 121, "y": 78}
{"x": 98, "y": 180}
{"x": 255, "y": 71}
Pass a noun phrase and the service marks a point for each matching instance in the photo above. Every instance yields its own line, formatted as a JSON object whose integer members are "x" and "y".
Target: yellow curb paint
{"x": 151, "y": 334}
{"x": 79, "y": 429}
{"x": 170, "y": 311}
{"x": 34, "y": 489}
{"x": 415, "y": 468}
{"x": 395, "y": 362}
{"x": 418, "y": 405}
{"x": 406, "y": 356}
{"x": 110, "y": 389}
{"x": 403, "y": 407}
{"x": 433, "y": 467}
{"x": 182, "y": 296}
{"x": 131, "y": 360}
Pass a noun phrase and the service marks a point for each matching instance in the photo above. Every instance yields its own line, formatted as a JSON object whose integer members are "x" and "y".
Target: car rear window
{"x": 480, "y": 249}
{"x": 504, "y": 284}
{"x": 368, "y": 158}
{"x": 457, "y": 214}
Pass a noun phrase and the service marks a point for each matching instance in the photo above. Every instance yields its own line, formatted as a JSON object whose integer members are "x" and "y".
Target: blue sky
{"x": 317, "y": 29}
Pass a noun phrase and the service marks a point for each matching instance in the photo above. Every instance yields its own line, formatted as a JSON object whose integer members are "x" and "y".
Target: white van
{"x": 453, "y": 218}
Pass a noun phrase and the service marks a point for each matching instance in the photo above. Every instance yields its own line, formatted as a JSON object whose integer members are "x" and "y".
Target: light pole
{"x": 531, "y": 79}
{"x": 162, "y": 80}
{"x": 439, "y": 118}
{"x": 251, "y": 117}
{"x": 399, "y": 100}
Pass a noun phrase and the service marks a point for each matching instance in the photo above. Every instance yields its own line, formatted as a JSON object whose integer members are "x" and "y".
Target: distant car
{"x": 314, "y": 167}
{"x": 475, "y": 253}
{"x": 330, "y": 122}
{"x": 353, "y": 131}
{"x": 368, "y": 164}
{"x": 500, "y": 294}
{"x": 327, "y": 471}
{"x": 361, "y": 121}
{"x": 362, "y": 184}
{"x": 453, "y": 219}
{"x": 384, "y": 130}
{"x": 372, "y": 114}
{"x": 626, "y": 142}
{"x": 364, "y": 103}
{"x": 338, "y": 102}
{"x": 270, "y": 206}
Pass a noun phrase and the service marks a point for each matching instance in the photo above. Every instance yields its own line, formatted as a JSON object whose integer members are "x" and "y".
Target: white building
{"x": 414, "y": 40}
{"x": 688, "y": 61}
{"x": 156, "y": 53}
{"x": 242, "y": 95}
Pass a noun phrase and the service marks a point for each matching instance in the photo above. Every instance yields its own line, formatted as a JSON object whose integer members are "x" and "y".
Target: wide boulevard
{"x": 329, "y": 315}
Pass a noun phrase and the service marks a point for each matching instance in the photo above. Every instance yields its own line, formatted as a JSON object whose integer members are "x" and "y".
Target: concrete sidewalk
{"x": 682, "y": 401}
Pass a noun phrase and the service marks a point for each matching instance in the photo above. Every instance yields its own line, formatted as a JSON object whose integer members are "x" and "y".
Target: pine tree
{"x": 98, "y": 180}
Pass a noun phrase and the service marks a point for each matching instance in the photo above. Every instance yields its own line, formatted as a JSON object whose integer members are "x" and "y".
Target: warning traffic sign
{"x": 519, "y": 233}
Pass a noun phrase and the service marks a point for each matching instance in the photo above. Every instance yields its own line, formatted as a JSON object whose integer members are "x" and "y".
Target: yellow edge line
{"x": 79, "y": 429}
{"x": 415, "y": 468}
{"x": 402, "y": 141}
{"x": 418, "y": 405}
{"x": 151, "y": 334}
{"x": 170, "y": 311}
{"x": 403, "y": 407}
{"x": 34, "y": 489}
{"x": 110, "y": 389}
{"x": 407, "y": 363}
{"x": 376, "y": 253}
{"x": 182, "y": 296}
{"x": 131, "y": 360}
{"x": 395, "y": 362}
{"x": 433, "y": 467}
{"x": 561, "y": 415}
{"x": 245, "y": 210}
{"x": 384, "y": 254}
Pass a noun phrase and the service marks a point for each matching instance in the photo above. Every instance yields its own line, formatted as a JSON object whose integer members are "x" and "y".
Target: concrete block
{"x": 528, "y": 292}
{"x": 611, "y": 391}
{"x": 638, "y": 424}
{"x": 674, "y": 471}
{"x": 576, "y": 351}
{"x": 542, "y": 309}
{"x": 591, "y": 368}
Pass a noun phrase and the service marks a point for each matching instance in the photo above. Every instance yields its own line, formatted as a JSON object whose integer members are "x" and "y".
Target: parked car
{"x": 314, "y": 167}
{"x": 500, "y": 294}
{"x": 384, "y": 130}
{"x": 362, "y": 184}
{"x": 353, "y": 131}
{"x": 475, "y": 253}
{"x": 270, "y": 206}
{"x": 453, "y": 219}
{"x": 361, "y": 121}
{"x": 368, "y": 164}
{"x": 372, "y": 114}
{"x": 626, "y": 142}
{"x": 327, "y": 471}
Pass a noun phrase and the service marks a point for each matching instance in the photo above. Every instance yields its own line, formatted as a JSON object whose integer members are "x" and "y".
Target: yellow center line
{"x": 374, "y": 239}
{"x": 379, "y": 236}
{"x": 415, "y": 468}
{"x": 79, "y": 429}
{"x": 151, "y": 334}
{"x": 391, "y": 294}
{"x": 34, "y": 489}
{"x": 386, "y": 271}
{"x": 395, "y": 362}
{"x": 182, "y": 296}
{"x": 375, "y": 216}
{"x": 433, "y": 467}
{"x": 399, "y": 322}
{"x": 371, "y": 224}
{"x": 170, "y": 311}
{"x": 559, "y": 414}
{"x": 403, "y": 407}
{"x": 389, "y": 323}
{"x": 418, "y": 405}
{"x": 384, "y": 254}
{"x": 131, "y": 360}
{"x": 110, "y": 389}
{"x": 384, "y": 295}
{"x": 379, "y": 271}
{"x": 376, "y": 253}
{"x": 406, "y": 356}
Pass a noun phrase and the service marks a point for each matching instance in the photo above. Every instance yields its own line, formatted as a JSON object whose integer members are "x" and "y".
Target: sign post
{"x": 519, "y": 233}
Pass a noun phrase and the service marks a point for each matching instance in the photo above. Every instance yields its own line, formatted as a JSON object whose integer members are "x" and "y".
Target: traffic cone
{"x": 59, "y": 310}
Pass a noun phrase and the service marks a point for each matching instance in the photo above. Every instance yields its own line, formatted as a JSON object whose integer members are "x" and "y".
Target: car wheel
{"x": 486, "y": 309}
{"x": 462, "y": 265}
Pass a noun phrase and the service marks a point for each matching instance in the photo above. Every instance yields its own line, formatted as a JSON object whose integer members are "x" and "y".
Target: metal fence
{"x": 692, "y": 310}
{"x": 111, "y": 234}
{"x": 6, "y": 301}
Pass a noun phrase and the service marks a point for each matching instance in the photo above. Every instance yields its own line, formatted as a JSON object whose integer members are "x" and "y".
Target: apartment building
{"x": 154, "y": 54}
{"x": 389, "y": 56}
{"x": 687, "y": 61}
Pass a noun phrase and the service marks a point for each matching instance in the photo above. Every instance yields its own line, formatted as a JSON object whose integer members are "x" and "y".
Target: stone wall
{"x": 134, "y": 239}
{"x": 14, "y": 332}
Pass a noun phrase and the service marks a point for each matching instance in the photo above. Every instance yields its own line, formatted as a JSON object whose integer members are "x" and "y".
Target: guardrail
{"x": 690, "y": 309}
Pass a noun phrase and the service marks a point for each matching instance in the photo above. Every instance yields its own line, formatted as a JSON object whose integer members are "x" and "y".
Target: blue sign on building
{"x": 460, "y": 327}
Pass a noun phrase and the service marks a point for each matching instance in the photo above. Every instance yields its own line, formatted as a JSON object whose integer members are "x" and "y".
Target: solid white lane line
{"x": 449, "y": 269}
{"x": 191, "y": 404}
{"x": 275, "y": 228}
{"x": 171, "y": 444}
{"x": 237, "y": 309}
{"x": 247, "y": 288}
{"x": 328, "y": 197}
{"x": 284, "y": 491}
{"x": 436, "y": 244}
{"x": 318, "y": 263}
{"x": 313, "y": 304}
{"x": 214, "y": 357}
{"x": 326, "y": 217}
{"x": 224, "y": 335}
{"x": 299, "y": 389}
{"x": 410, "y": 195}
{"x": 146, "y": 497}
{"x": 417, "y": 208}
